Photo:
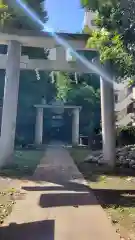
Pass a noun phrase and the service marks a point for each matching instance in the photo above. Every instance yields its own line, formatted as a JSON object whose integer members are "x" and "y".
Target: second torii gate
{"x": 39, "y": 122}
{"x": 13, "y": 62}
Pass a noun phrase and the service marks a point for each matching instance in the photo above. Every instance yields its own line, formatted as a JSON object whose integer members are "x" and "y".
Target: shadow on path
{"x": 105, "y": 197}
{"x": 40, "y": 230}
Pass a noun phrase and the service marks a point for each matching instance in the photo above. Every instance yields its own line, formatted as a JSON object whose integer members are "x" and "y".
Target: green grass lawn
{"x": 79, "y": 154}
{"x": 23, "y": 163}
{"x": 115, "y": 192}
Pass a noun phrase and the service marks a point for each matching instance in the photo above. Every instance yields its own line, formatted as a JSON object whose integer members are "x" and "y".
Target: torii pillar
{"x": 39, "y": 123}
{"x": 107, "y": 114}
{"x": 75, "y": 127}
{"x": 108, "y": 122}
{"x": 10, "y": 101}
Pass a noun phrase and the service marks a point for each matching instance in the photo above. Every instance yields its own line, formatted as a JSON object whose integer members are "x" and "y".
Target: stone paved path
{"x": 57, "y": 205}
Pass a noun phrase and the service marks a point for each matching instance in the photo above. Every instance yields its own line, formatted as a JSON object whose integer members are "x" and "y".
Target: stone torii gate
{"x": 13, "y": 62}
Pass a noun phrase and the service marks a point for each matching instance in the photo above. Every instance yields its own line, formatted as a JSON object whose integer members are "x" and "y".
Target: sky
{"x": 65, "y": 15}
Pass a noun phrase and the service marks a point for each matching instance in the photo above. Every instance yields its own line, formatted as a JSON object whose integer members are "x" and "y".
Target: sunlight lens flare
{"x": 30, "y": 13}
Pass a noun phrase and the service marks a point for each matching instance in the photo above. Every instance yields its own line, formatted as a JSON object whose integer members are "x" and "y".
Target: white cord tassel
{"x": 53, "y": 76}
{"x": 76, "y": 78}
{"x": 37, "y": 74}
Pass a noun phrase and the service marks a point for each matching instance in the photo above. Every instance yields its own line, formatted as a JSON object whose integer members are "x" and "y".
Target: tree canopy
{"x": 11, "y": 15}
{"x": 96, "y": 5}
{"x": 88, "y": 97}
{"x": 115, "y": 34}
{"x": 111, "y": 47}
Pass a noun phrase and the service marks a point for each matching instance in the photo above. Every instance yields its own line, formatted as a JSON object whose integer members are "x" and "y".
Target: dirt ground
{"x": 23, "y": 166}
